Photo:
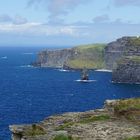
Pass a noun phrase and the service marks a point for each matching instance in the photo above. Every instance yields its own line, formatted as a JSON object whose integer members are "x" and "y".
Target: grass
{"x": 133, "y": 138}
{"x": 89, "y": 56}
{"x": 95, "y": 118}
{"x": 62, "y": 137}
{"x": 83, "y": 121}
{"x": 35, "y": 130}
{"x": 135, "y": 41}
{"x": 130, "y": 109}
{"x": 65, "y": 125}
{"x": 127, "y": 104}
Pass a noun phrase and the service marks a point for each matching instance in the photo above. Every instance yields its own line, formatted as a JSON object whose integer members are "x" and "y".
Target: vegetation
{"x": 127, "y": 104}
{"x": 35, "y": 130}
{"x": 95, "y": 118}
{"x": 129, "y": 108}
{"x": 89, "y": 56}
{"x": 62, "y": 137}
{"x": 133, "y": 138}
{"x": 124, "y": 60}
{"x": 135, "y": 41}
{"x": 85, "y": 120}
{"x": 65, "y": 125}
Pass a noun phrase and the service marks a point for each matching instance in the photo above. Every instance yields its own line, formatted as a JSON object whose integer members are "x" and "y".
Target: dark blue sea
{"x": 30, "y": 94}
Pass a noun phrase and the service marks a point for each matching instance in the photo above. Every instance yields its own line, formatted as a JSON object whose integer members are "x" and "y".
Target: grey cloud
{"x": 5, "y": 18}
{"x": 100, "y": 19}
{"x": 127, "y": 2}
{"x": 15, "y": 20}
{"x": 57, "y": 8}
{"x": 19, "y": 20}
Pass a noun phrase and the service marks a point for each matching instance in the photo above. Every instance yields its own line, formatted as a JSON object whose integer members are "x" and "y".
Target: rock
{"x": 89, "y": 56}
{"x": 125, "y": 46}
{"x": 127, "y": 70}
{"x": 100, "y": 124}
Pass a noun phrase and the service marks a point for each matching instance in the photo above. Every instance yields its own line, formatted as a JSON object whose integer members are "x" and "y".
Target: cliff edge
{"x": 119, "y": 120}
{"x": 89, "y": 56}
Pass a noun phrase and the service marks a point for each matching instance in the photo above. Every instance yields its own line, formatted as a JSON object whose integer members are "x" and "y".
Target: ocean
{"x": 28, "y": 94}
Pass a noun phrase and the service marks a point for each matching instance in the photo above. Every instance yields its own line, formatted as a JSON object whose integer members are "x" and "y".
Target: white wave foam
{"x": 26, "y": 66}
{"x": 28, "y": 53}
{"x": 63, "y": 70}
{"x": 104, "y": 70}
{"x": 86, "y": 81}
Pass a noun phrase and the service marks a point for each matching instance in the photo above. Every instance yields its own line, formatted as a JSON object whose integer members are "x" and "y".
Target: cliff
{"x": 119, "y": 120}
{"x": 89, "y": 56}
{"x": 127, "y": 70}
{"x": 125, "y": 46}
{"x": 123, "y": 56}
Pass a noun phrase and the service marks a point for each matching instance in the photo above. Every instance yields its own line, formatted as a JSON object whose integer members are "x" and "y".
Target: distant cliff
{"x": 121, "y": 56}
{"x": 89, "y": 56}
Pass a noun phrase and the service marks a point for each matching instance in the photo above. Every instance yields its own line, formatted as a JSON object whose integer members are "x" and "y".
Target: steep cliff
{"x": 119, "y": 120}
{"x": 125, "y": 46}
{"x": 127, "y": 70}
{"x": 89, "y": 56}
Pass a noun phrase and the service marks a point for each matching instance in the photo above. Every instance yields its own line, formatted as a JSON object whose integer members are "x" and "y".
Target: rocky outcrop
{"x": 117, "y": 121}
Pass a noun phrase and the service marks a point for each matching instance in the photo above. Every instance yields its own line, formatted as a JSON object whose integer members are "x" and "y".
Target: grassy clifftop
{"x": 89, "y": 56}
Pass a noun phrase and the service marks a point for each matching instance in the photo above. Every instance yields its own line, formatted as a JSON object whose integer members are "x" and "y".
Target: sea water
{"x": 28, "y": 94}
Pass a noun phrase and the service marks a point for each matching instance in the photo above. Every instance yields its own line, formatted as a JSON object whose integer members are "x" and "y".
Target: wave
{"x": 63, "y": 70}
{"x": 104, "y": 70}
{"x": 85, "y": 81}
{"x": 4, "y": 57}
{"x": 26, "y": 66}
{"x": 28, "y": 53}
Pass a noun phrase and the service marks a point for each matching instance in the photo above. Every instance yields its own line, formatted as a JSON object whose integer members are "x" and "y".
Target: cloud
{"x": 15, "y": 20}
{"x": 38, "y": 29}
{"x": 5, "y": 18}
{"x": 57, "y": 8}
{"x": 127, "y": 2}
{"x": 101, "y": 19}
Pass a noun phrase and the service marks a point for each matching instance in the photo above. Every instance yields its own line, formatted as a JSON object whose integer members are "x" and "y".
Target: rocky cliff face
{"x": 117, "y": 121}
{"x": 127, "y": 70}
{"x": 125, "y": 46}
{"x": 90, "y": 56}
{"x": 55, "y": 58}
{"x": 123, "y": 56}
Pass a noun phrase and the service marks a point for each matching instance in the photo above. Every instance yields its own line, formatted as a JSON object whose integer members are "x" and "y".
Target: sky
{"x": 67, "y": 22}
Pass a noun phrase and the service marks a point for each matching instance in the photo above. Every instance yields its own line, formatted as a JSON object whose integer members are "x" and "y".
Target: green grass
{"x": 89, "y": 56}
{"x": 35, "y": 131}
{"x": 95, "y": 118}
{"x": 127, "y": 104}
{"x": 133, "y": 138}
{"x": 135, "y": 41}
{"x": 62, "y": 137}
{"x": 130, "y": 109}
{"x": 65, "y": 125}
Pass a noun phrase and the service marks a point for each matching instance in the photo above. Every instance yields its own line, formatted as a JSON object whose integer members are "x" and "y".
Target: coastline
{"x": 111, "y": 122}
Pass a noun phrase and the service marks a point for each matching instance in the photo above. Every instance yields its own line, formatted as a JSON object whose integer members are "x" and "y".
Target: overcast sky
{"x": 67, "y": 22}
